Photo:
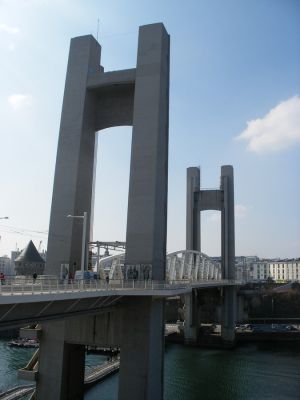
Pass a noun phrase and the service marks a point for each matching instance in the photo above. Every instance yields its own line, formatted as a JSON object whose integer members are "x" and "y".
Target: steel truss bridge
{"x": 182, "y": 266}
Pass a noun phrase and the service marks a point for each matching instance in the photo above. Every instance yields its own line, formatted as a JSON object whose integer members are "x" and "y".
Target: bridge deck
{"x": 56, "y": 290}
{"x": 23, "y": 302}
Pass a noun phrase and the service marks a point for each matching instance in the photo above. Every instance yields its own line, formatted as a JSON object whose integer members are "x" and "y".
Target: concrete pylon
{"x": 193, "y": 224}
{"x": 228, "y": 254}
{"x": 221, "y": 200}
{"x": 95, "y": 100}
{"x": 142, "y": 355}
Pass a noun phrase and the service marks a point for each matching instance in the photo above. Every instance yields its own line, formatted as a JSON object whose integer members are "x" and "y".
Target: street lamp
{"x": 83, "y": 249}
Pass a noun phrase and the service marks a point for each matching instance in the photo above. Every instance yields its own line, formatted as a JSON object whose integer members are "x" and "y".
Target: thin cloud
{"x": 9, "y": 29}
{"x": 240, "y": 210}
{"x": 277, "y": 130}
{"x": 19, "y": 101}
{"x": 215, "y": 217}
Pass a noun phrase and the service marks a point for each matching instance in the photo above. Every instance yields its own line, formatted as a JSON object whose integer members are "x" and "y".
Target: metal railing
{"x": 52, "y": 286}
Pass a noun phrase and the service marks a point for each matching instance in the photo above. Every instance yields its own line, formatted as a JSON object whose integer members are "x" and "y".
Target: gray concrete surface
{"x": 61, "y": 365}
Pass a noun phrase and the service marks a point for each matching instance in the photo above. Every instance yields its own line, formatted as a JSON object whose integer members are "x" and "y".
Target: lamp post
{"x": 83, "y": 249}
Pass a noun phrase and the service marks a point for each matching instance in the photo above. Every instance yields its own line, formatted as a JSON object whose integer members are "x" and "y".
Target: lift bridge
{"x": 27, "y": 301}
{"x": 126, "y": 310}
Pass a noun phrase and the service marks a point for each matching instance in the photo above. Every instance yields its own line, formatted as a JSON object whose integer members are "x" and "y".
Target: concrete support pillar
{"x": 141, "y": 370}
{"x": 229, "y": 314}
{"x": 193, "y": 228}
{"x": 190, "y": 318}
{"x": 148, "y": 184}
{"x": 61, "y": 365}
{"x": 142, "y": 350}
{"x": 228, "y": 252}
{"x": 72, "y": 190}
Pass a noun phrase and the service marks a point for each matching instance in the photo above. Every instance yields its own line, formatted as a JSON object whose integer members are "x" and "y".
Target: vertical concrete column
{"x": 142, "y": 350}
{"x": 227, "y": 217}
{"x": 148, "y": 184}
{"x": 193, "y": 228}
{"x": 61, "y": 365}
{"x": 190, "y": 319}
{"x": 72, "y": 190}
{"x": 228, "y": 252}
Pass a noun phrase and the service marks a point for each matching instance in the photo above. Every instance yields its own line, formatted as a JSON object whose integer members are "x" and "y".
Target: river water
{"x": 250, "y": 372}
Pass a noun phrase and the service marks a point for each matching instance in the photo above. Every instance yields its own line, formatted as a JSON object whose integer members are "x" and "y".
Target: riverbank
{"x": 213, "y": 340}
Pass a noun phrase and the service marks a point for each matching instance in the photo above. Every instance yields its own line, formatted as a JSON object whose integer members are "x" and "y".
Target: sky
{"x": 234, "y": 99}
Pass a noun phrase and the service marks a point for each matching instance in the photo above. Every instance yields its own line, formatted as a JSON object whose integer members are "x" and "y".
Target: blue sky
{"x": 234, "y": 99}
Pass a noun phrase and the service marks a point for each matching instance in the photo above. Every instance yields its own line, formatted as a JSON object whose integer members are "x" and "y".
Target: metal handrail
{"x": 56, "y": 286}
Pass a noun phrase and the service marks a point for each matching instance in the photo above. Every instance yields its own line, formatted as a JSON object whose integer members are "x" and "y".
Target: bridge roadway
{"x": 23, "y": 302}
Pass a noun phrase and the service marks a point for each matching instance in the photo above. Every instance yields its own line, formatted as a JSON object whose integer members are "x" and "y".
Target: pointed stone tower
{"x": 29, "y": 261}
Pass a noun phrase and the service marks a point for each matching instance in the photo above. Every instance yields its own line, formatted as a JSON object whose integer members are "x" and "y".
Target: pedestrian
{"x": 34, "y": 276}
{"x": 107, "y": 280}
{"x": 2, "y": 278}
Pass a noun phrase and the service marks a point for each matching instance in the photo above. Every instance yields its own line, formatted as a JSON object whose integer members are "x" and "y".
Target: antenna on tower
{"x": 98, "y": 28}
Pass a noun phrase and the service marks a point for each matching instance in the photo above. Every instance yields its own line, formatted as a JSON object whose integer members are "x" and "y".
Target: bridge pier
{"x": 142, "y": 350}
{"x": 229, "y": 308}
{"x": 61, "y": 365}
{"x": 191, "y": 321}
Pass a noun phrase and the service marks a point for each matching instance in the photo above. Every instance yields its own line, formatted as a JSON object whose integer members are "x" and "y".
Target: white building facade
{"x": 278, "y": 270}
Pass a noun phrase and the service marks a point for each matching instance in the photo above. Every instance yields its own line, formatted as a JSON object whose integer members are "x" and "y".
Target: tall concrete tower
{"x": 95, "y": 100}
{"x": 222, "y": 200}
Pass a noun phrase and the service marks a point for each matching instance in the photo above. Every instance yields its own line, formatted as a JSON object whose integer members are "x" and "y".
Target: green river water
{"x": 249, "y": 372}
